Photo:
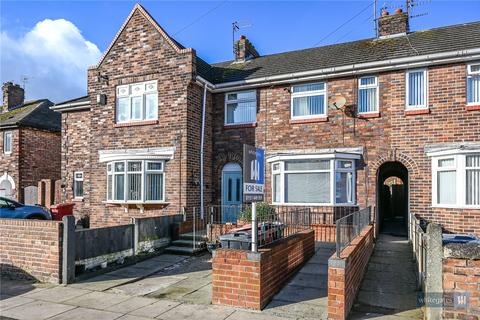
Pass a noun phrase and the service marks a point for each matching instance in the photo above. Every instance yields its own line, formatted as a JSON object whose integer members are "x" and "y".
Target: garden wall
{"x": 345, "y": 273}
{"x": 249, "y": 280}
{"x": 31, "y": 249}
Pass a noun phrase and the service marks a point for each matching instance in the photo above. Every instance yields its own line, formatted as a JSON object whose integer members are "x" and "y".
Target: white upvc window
{"x": 416, "y": 89}
{"x": 7, "y": 142}
{"x": 473, "y": 84}
{"x": 314, "y": 182}
{"x": 241, "y": 107}
{"x": 456, "y": 181}
{"x": 136, "y": 181}
{"x": 309, "y": 100}
{"x": 137, "y": 102}
{"x": 368, "y": 95}
{"x": 78, "y": 185}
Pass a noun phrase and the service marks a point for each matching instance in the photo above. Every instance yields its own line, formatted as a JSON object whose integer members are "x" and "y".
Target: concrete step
{"x": 185, "y": 250}
{"x": 189, "y": 237}
{"x": 188, "y": 243}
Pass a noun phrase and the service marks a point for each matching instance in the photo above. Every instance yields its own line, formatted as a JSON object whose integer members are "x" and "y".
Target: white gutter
{"x": 71, "y": 106}
{"x": 362, "y": 68}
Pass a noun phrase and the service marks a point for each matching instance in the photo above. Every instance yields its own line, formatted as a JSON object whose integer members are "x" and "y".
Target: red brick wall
{"x": 31, "y": 247}
{"x": 345, "y": 274}
{"x": 324, "y": 232}
{"x": 249, "y": 280}
{"x": 9, "y": 163}
{"x": 462, "y": 275}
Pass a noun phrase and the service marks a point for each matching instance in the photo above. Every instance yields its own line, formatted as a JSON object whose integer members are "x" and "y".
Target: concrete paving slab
{"x": 296, "y": 310}
{"x": 97, "y": 300}
{"x": 132, "y": 317}
{"x": 147, "y": 285}
{"x": 20, "y": 287}
{"x": 377, "y": 316}
{"x": 87, "y": 314}
{"x": 36, "y": 310}
{"x": 320, "y": 258}
{"x": 173, "y": 258}
{"x": 10, "y": 302}
{"x": 152, "y": 264}
{"x": 303, "y": 294}
{"x": 131, "y": 272}
{"x": 100, "y": 283}
{"x": 201, "y": 296}
{"x": 189, "y": 311}
{"x": 155, "y": 309}
{"x": 181, "y": 288}
{"x": 247, "y": 315}
{"x": 314, "y": 268}
{"x": 131, "y": 304}
{"x": 310, "y": 280}
{"x": 57, "y": 294}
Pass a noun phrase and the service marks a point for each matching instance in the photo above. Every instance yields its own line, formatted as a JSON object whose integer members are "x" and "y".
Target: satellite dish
{"x": 337, "y": 102}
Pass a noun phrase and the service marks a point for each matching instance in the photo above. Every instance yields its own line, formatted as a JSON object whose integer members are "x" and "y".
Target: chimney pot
{"x": 13, "y": 96}
{"x": 399, "y": 10}
{"x": 385, "y": 13}
{"x": 242, "y": 37}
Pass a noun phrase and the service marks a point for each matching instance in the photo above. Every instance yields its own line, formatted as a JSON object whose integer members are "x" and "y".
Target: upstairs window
{"x": 473, "y": 84}
{"x": 137, "y": 102}
{"x": 78, "y": 185}
{"x": 135, "y": 181}
{"x": 241, "y": 107}
{"x": 309, "y": 101}
{"x": 7, "y": 142}
{"x": 416, "y": 89}
{"x": 368, "y": 95}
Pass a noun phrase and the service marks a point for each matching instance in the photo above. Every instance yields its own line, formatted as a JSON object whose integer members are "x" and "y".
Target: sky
{"x": 52, "y": 43}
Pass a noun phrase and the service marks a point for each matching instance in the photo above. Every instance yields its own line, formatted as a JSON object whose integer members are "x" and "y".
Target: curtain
{"x": 446, "y": 187}
{"x": 122, "y": 109}
{"x": 242, "y": 112}
{"x": 367, "y": 101}
{"x": 343, "y": 187}
{"x": 307, "y": 187}
{"x": 119, "y": 187}
{"x": 473, "y": 180}
{"x": 473, "y": 89}
{"x": 151, "y": 106}
{"x": 308, "y": 106}
{"x": 276, "y": 188}
{"x": 154, "y": 186}
{"x": 416, "y": 94}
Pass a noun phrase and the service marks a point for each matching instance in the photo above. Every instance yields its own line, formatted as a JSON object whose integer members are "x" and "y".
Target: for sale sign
{"x": 253, "y": 173}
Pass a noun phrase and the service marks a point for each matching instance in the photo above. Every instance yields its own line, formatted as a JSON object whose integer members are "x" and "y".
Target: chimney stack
{"x": 244, "y": 50}
{"x": 13, "y": 96}
{"x": 395, "y": 24}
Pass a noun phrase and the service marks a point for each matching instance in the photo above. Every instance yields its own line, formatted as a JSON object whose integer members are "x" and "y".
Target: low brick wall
{"x": 345, "y": 274}
{"x": 249, "y": 280}
{"x": 461, "y": 275}
{"x": 324, "y": 232}
{"x": 31, "y": 248}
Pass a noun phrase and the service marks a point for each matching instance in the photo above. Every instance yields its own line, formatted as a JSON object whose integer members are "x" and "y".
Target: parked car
{"x": 15, "y": 210}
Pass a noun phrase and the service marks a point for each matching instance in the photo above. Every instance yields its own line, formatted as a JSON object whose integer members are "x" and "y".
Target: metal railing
{"x": 350, "y": 226}
{"x": 418, "y": 236}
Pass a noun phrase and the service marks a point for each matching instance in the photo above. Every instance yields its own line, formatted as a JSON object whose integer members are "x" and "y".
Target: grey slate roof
{"x": 75, "y": 100}
{"x": 450, "y": 38}
{"x": 32, "y": 114}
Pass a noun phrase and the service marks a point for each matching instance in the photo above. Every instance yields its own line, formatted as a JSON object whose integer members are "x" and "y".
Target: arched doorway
{"x": 392, "y": 198}
{"x": 7, "y": 186}
{"x": 232, "y": 191}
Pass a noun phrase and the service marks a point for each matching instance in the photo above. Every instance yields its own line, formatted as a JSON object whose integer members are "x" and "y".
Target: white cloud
{"x": 54, "y": 54}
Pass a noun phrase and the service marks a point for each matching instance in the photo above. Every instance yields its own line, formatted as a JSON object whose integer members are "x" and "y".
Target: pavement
{"x": 165, "y": 287}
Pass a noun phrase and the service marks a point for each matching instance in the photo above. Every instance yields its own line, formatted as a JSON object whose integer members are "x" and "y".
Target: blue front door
{"x": 231, "y": 195}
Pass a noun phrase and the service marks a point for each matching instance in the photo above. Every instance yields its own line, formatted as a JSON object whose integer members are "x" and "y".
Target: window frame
{"x": 425, "y": 90}
{"x": 75, "y": 179}
{"x": 312, "y": 93}
{"x": 332, "y": 172}
{"x": 143, "y": 173}
{"x": 5, "y": 134}
{"x": 226, "y": 102}
{"x": 130, "y": 96}
{"x": 369, "y": 86}
{"x": 471, "y": 74}
{"x": 460, "y": 179}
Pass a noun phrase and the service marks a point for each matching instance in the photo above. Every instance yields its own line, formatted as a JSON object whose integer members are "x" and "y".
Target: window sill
{"x": 133, "y": 124}
{"x": 136, "y": 205}
{"x": 313, "y": 204}
{"x": 472, "y": 107}
{"x": 414, "y": 112}
{"x": 311, "y": 120}
{"x": 239, "y": 126}
{"x": 368, "y": 115}
{"x": 445, "y": 206}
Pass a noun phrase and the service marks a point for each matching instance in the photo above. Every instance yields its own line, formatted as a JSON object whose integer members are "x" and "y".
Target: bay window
{"x": 416, "y": 89}
{"x": 240, "y": 107}
{"x": 137, "y": 102}
{"x": 456, "y": 180}
{"x": 314, "y": 182}
{"x": 368, "y": 95}
{"x": 309, "y": 100}
{"x": 135, "y": 181}
{"x": 473, "y": 84}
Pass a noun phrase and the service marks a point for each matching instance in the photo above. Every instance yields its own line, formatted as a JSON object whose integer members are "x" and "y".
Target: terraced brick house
{"x": 30, "y": 140}
{"x": 407, "y": 135}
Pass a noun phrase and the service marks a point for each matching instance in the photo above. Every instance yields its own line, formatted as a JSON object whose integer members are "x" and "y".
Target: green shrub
{"x": 264, "y": 212}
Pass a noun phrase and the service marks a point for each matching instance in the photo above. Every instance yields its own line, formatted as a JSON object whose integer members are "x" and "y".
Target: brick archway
{"x": 394, "y": 156}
